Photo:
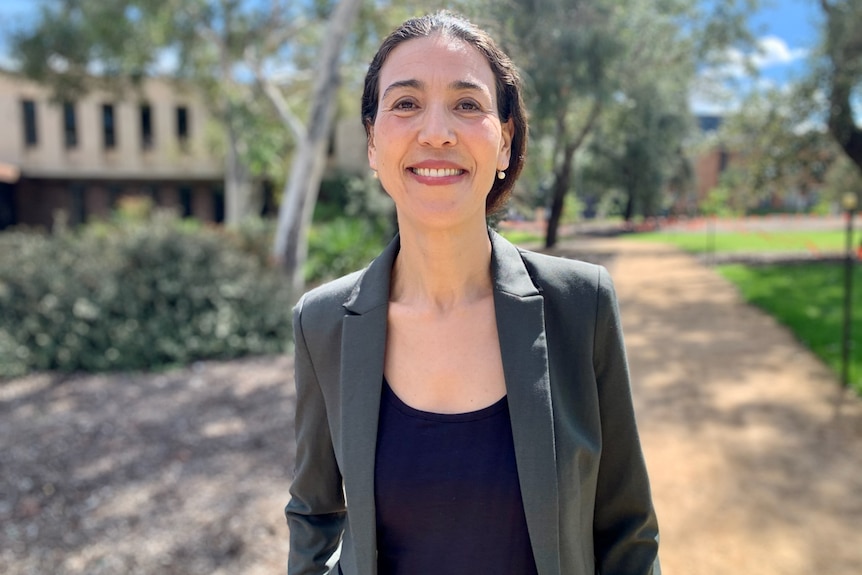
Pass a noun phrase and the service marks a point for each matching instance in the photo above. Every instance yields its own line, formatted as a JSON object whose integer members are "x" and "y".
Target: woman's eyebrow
{"x": 403, "y": 84}
{"x": 457, "y": 85}
{"x": 466, "y": 85}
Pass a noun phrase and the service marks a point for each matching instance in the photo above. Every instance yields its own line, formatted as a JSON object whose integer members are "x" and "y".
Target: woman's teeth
{"x": 436, "y": 172}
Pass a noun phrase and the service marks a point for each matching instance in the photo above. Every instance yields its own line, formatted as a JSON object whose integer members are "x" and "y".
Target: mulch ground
{"x": 183, "y": 472}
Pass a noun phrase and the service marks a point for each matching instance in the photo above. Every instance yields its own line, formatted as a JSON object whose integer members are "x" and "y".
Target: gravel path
{"x": 754, "y": 454}
{"x": 754, "y": 470}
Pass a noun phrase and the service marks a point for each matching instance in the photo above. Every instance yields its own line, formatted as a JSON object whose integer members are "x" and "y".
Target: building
{"x": 80, "y": 158}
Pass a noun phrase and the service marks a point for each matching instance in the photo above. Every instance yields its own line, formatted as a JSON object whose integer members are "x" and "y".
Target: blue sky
{"x": 787, "y": 30}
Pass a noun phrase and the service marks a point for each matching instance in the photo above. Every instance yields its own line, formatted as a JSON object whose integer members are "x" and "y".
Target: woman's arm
{"x": 316, "y": 511}
{"x": 625, "y": 527}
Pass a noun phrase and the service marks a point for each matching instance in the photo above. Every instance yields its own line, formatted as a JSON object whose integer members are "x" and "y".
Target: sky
{"x": 787, "y": 32}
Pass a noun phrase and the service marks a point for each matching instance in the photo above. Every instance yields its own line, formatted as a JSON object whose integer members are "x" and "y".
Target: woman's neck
{"x": 441, "y": 269}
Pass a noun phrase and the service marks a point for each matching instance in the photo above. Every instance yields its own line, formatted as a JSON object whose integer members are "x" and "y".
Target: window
{"x": 70, "y": 125}
{"x": 79, "y": 205}
{"x": 218, "y": 204}
{"x": 109, "y": 130}
{"x": 186, "y": 201}
{"x": 182, "y": 124}
{"x": 146, "y": 127}
{"x": 30, "y": 135}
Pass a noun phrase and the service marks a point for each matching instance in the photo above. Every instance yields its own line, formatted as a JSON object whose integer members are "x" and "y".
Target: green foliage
{"x": 809, "y": 299}
{"x": 843, "y": 176}
{"x": 346, "y": 194}
{"x": 778, "y": 159}
{"x": 573, "y": 207}
{"x": 342, "y": 245}
{"x": 134, "y": 296}
{"x": 631, "y": 62}
{"x": 718, "y": 203}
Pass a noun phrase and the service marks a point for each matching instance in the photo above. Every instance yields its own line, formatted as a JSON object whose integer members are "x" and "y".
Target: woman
{"x": 463, "y": 406}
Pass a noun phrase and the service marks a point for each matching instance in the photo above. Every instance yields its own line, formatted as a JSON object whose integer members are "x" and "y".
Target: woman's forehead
{"x": 437, "y": 58}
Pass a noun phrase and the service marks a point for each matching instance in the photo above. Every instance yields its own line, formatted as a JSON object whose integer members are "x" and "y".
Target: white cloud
{"x": 720, "y": 89}
{"x": 773, "y": 51}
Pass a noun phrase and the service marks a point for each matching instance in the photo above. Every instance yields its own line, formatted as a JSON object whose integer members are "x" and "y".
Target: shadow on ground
{"x": 183, "y": 472}
{"x": 754, "y": 467}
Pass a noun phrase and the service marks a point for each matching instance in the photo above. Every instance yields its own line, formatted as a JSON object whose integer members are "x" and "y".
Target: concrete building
{"x": 81, "y": 157}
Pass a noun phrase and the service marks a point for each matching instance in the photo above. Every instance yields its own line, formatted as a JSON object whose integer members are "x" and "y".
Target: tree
{"x": 242, "y": 54}
{"x": 234, "y": 50}
{"x": 581, "y": 59}
{"x": 78, "y": 46}
{"x": 638, "y": 147}
{"x": 297, "y": 207}
{"x": 842, "y": 72}
{"x": 780, "y": 152}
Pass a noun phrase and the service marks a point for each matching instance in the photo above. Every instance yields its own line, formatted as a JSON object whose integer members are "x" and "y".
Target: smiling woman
{"x": 463, "y": 406}
{"x": 437, "y": 141}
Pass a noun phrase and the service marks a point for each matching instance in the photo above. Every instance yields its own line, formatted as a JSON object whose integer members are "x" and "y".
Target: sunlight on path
{"x": 752, "y": 472}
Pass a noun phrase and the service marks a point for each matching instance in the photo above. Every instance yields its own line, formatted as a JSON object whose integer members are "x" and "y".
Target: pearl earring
{"x": 374, "y": 174}
{"x": 501, "y": 175}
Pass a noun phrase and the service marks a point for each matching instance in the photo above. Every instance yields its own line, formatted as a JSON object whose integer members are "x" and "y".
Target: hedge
{"x": 135, "y": 296}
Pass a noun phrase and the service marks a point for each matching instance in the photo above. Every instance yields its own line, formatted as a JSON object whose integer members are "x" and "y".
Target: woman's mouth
{"x": 436, "y": 172}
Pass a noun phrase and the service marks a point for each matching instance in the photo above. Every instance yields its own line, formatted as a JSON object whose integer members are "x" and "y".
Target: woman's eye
{"x": 404, "y": 105}
{"x": 468, "y": 105}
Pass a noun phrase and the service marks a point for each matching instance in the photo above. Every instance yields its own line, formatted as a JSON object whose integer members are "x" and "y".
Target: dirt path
{"x": 753, "y": 471}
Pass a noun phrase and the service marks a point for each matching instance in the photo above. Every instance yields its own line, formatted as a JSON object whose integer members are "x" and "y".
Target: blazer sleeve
{"x": 316, "y": 511}
{"x": 625, "y": 526}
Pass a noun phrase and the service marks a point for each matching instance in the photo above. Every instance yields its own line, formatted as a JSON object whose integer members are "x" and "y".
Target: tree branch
{"x": 288, "y": 118}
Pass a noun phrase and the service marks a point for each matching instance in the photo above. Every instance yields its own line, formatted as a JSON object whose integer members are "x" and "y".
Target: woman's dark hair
{"x": 508, "y": 86}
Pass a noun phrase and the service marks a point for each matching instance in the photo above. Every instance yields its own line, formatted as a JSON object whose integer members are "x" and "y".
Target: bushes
{"x": 343, "y": 245}
{"x": 137, "y": 296}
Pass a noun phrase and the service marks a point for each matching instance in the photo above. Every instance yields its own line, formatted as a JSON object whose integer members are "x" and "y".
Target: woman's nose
{"x": 436, "y": 129}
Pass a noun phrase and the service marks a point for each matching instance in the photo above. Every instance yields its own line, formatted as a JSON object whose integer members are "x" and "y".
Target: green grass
{"x": 696, "y": 242}
{"x": 520, "y": 237}
{"x": 809, "y": 299}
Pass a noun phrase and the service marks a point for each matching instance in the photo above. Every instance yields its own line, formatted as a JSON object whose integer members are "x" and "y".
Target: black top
{"x": 447, "y": 493}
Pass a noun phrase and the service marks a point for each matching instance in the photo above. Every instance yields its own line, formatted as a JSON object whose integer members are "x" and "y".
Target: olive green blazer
{"x": 583, "y": 480}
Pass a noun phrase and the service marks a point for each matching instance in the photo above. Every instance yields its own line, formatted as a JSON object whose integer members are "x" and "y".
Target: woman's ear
{"x": 506, "y": 144}
{"x": 372, "y": 150}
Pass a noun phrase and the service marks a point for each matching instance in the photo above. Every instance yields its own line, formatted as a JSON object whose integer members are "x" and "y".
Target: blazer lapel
{"x": 521, "y": 327}
{"x": 363, "y": 346}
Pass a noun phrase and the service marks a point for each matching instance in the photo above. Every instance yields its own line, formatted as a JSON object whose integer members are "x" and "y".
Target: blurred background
{"x": 174, "y": 173}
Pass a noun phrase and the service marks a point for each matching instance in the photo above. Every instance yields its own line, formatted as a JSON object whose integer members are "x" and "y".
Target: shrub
{"x": 343, "y": 245}
{"x": 134, "y": 296}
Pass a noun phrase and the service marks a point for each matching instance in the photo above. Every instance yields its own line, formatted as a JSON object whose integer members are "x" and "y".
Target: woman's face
{"x": 437, "y": 141}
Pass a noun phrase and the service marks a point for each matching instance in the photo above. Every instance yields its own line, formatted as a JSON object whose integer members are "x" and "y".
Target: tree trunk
{"x": 237, "y": 181}
{"x": 563, "y": 174}
{"x": 562, "y": 180}
{"x": 290, "y": 247}
{"x": 630, "y": 205}
{"x": 841, "y": 122}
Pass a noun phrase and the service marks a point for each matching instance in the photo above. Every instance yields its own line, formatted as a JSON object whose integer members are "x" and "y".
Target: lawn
{"x": 801, "y": 241}
{"x": 809, "y": 299}
{"x": 520, "y": 237}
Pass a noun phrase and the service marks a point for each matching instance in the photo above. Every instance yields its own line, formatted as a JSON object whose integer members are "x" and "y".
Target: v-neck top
{"x": 447, "y": 493}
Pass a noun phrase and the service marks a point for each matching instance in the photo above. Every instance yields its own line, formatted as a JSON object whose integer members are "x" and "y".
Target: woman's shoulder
{"x": 565, "y": 275}
{"x": 330, "y": 295}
